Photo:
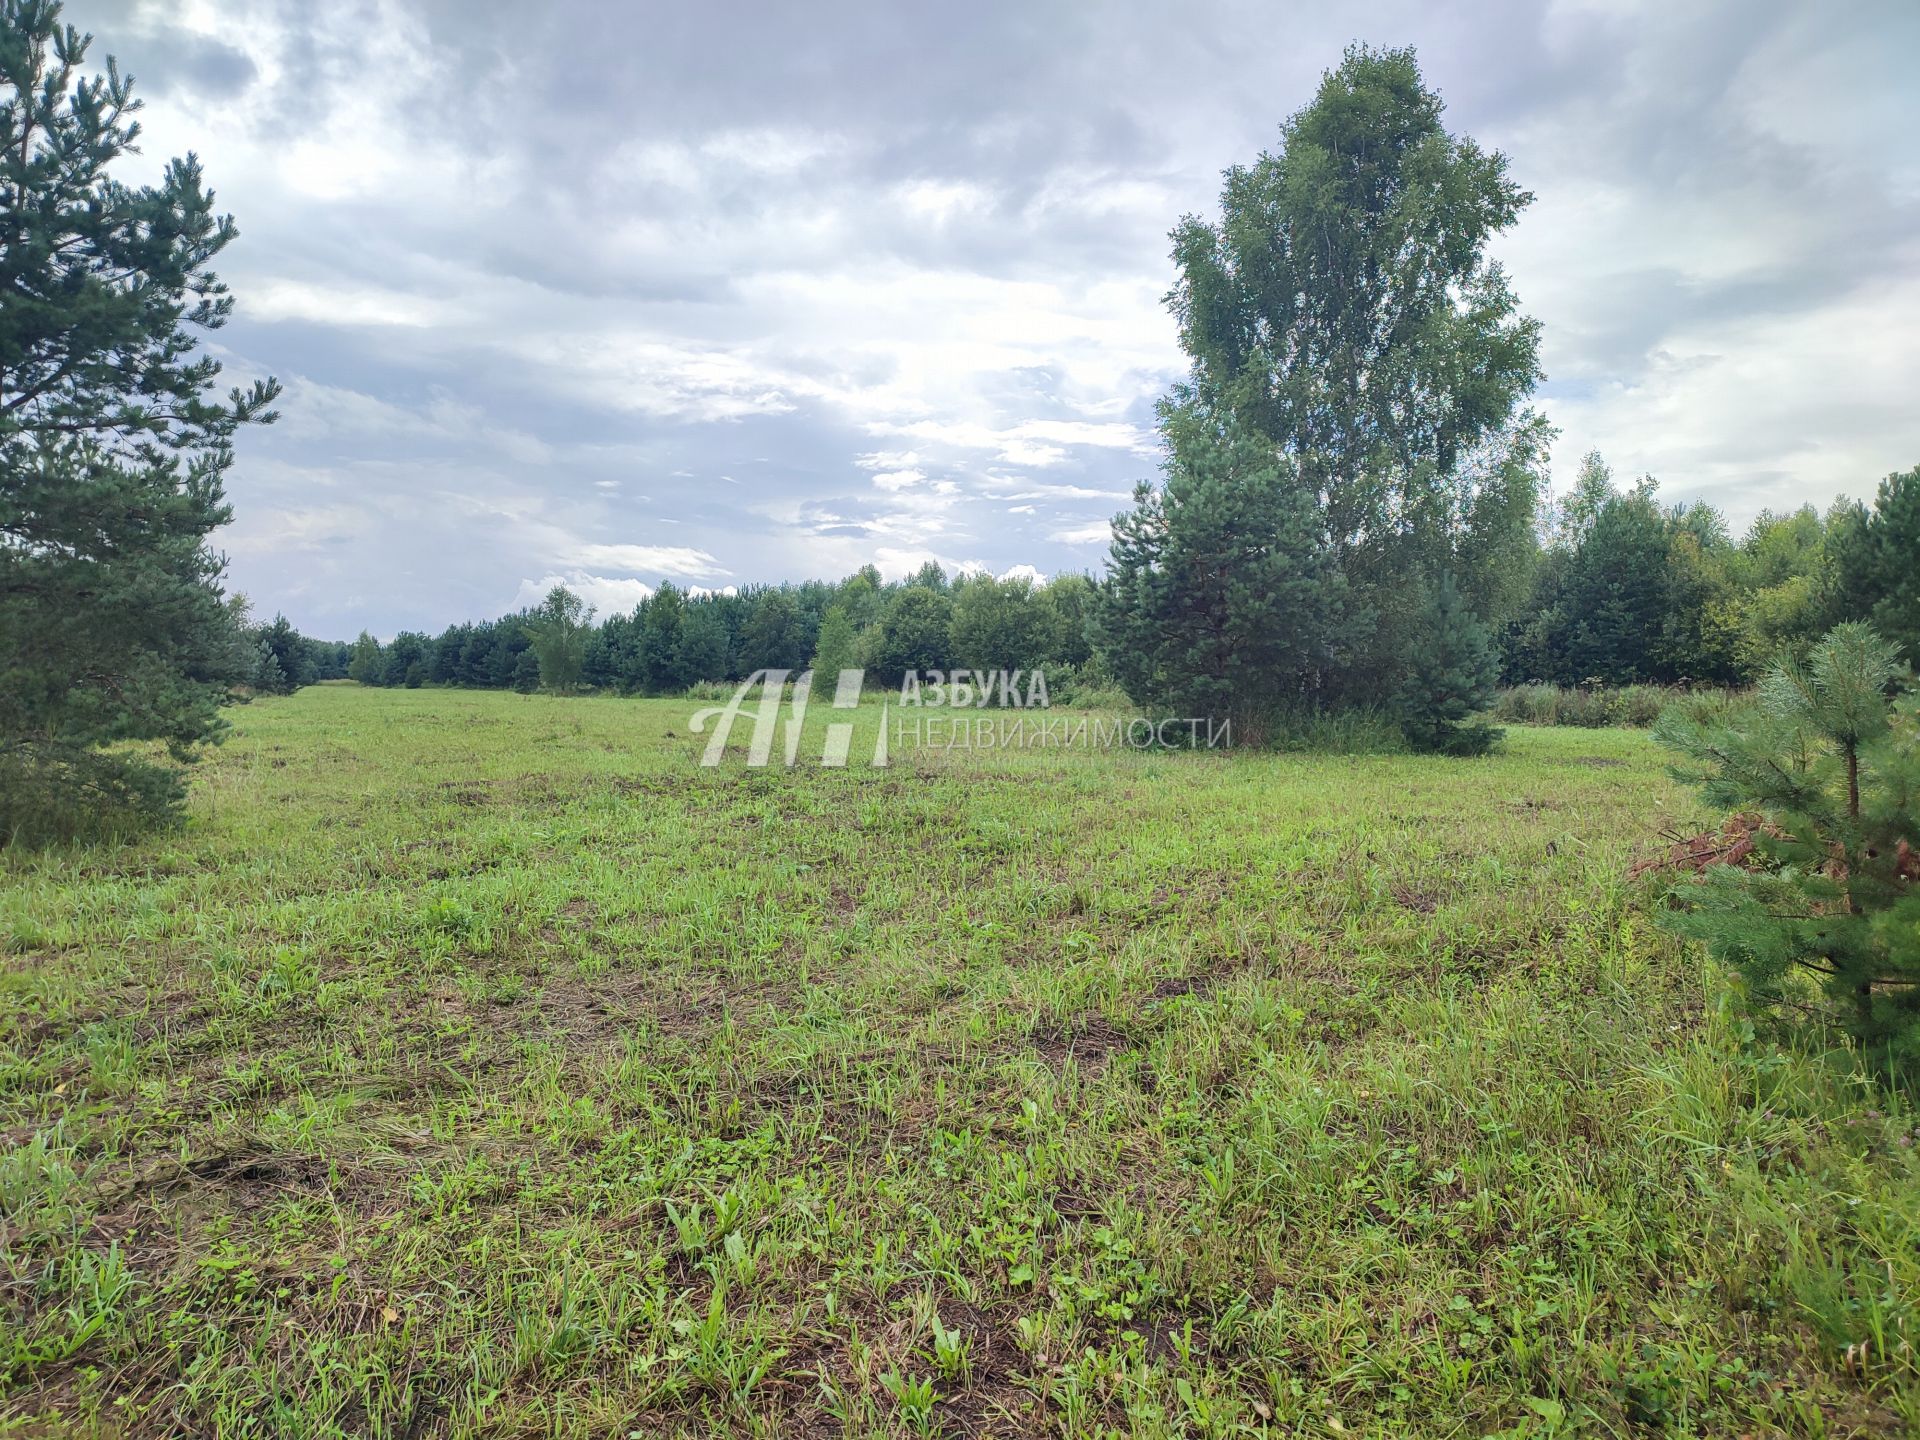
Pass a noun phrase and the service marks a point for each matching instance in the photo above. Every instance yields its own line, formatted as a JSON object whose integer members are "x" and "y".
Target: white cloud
{"x": 942, "y": 201}
{"x": 653, "y": 559}
{"x": 348, "y": 304}
{"x": 607, "y": 594}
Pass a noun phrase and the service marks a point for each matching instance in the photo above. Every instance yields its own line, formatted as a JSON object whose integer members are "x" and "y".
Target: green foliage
{"x": 1070, "y": 606}
{"x": 1832, "y": 909}
{"x": 367, "y": 666}
{"x": 407, "y": 660}
{"x": 703, "y": 642}
{"x": 912, "y": 632}
{"x": 1632, "y": 593}
{"x": 661, "y": 660}
{"x": 524, "y": 677}
{"x": 557, "y": 633}
{"x": 1345, "y": 310}
{"x": 1451, "y": 671}
{"x": 112, "y": 451}
{"x": 1612, "y": 597}
{"x": 287, "y": 659}
{"x": 1220, "y": 600}
{"x": 835, "y": 649}
{"x": 1600, "y": 707}
{"x": 1878, "y": 561}
{"x": 778, "y": 634}
{"x": 998, "y": 625}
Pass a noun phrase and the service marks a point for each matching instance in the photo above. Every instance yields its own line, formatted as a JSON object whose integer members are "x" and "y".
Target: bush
{"x": 1084, "y": 687}
{"x": 1600, "y": 707}
{"x": 1823, "y": 917}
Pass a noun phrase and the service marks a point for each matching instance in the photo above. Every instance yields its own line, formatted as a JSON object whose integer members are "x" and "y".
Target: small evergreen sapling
{"x": 1825, "y": 916}
{"x": 1450, "y": 678}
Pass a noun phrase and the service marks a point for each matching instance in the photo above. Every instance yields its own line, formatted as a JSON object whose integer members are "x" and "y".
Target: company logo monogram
{"x": 767, "y": 719}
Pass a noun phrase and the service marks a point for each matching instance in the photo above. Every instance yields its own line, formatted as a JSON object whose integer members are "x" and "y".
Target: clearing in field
{"x": 479, "y": 1064}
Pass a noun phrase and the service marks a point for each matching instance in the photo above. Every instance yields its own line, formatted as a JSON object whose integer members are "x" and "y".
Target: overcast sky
{"x": 720, "y": 293}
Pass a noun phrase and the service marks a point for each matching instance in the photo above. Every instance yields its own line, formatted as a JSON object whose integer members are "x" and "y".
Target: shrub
{"x": 1823, "y": 916}
{"x": 1600, "y": 707}
{"x": 1084, "y": 687}
{"x": 52, "y": 794}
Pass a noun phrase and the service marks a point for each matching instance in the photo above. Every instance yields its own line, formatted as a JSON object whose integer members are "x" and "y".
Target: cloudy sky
{"x": 610, "y": 293}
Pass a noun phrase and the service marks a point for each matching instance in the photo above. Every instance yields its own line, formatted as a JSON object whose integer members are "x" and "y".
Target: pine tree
{"x": 287, "y": 658}
{"x": 777, "y": 635}
{"x": 1223, "y": 599}
{"x": 703, "y": 643}
{"x": 1828, "y": 916}
{"x": 1878, "y": 561}
{"x": 1613, "y": 594}
{"x": 407, "y": 658}
{"x": 1451, "y": 670}
{"x": 524, "y": 670}
{"x": 112, "y": 450}
{"x": 660, "y": 627}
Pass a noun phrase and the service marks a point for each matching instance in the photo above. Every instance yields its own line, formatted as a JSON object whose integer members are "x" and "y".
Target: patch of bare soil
{"x": 1415, "y": 898}
{"x": 992, "y": 1399}
{"x": 1088, "y": 1040}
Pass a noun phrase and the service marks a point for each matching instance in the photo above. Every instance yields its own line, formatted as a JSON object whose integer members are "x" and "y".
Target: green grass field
{"x": 478, "y": 1064}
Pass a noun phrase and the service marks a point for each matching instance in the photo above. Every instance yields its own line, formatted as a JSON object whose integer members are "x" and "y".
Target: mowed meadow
{"x": 478, "y": 1064}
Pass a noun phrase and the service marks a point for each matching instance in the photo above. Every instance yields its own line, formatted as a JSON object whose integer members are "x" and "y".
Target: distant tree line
{"x": 1613, "y": 589}
{"x": 1617, "y": 588}
{"x": 276, "y": 659}
{"x": 674, "y": 639}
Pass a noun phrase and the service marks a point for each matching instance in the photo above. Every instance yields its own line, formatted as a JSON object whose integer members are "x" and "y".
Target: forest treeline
{"x": 1620, "y": 590}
